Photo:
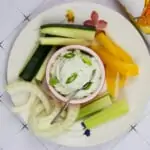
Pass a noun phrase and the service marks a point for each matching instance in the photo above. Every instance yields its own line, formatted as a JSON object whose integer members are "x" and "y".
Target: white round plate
{"x": 120, "y": 29}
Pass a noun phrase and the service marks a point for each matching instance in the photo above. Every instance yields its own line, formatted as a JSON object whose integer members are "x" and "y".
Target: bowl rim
{"x": 52, "y": 60}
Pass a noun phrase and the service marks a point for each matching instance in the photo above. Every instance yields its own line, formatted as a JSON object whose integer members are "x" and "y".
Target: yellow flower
{"x": 70, "y": 16}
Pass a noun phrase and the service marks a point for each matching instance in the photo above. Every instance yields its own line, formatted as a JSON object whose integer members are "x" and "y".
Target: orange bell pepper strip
{"x": 113, "y": 48}
{"x": 146, "y": 2}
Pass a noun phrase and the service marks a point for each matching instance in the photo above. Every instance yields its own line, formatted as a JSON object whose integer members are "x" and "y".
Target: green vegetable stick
{"x": 96, "y": 105}
{"x": 114, "y": 111}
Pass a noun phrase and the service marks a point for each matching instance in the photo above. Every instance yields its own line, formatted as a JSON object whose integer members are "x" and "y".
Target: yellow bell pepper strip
{"x": 115, "y": 82}
{"x": 113, "y": 48}
{"x": 118, "y": 65}
{"x": 96, "y": 47}
{"x": 111, "y": 80}
{"x": 117, "y": 88}
{"x": 122, "y": 81}
{"x": 125, "y": 69}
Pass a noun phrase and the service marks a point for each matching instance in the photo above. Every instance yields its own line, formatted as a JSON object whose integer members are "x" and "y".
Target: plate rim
{"x": 44, "y": 12}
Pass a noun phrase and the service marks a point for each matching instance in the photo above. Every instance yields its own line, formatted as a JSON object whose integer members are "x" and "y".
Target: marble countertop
{"x": 14, "y": 134}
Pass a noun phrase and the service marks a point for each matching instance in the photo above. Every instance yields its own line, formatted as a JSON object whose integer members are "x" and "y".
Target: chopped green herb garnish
{"x": 69, "y": 55}
{"x": 53, "y": 81}
{"x": 87, "y": 86}
{"x": 86, "y": 60}
{"x": 71, "y": 78}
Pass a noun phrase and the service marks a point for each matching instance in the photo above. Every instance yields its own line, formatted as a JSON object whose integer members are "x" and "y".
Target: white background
{"x": 14, "y": 135}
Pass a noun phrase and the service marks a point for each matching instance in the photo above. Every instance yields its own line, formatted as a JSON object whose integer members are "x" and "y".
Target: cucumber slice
{"x": 96, "y": 105}
{"x": 41, "y": 73}
{"x": 69, "y": 55}
{"x": 30, "y": 56}
{"x": 33, "y": 65}
{"x": 53, "y": 81}
{"x": 62, "y": 41}
{"x": 48, "y": 35}
{"x": 72, "y": 78}
{"x": 69, "y": 30}
{"x": 116, "y": 110}
{"x": 71, "y": 26}
{"x": 86, "y": 60}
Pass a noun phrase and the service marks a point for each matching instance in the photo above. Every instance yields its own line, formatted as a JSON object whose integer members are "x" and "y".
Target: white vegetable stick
{"x": 20, "y": 86}
{"x": 39, "y": 108}
{"x": 25, "y": 107}
{"x": 55, "y": 129}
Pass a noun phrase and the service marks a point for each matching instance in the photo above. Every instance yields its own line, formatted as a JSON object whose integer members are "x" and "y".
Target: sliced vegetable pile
{"x": 119, "y": 66}
{"x": 43, "y": 110}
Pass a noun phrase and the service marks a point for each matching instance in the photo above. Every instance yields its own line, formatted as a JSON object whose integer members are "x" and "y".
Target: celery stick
{"x": 95, "y": 106}
{"x": 114, "y": 111}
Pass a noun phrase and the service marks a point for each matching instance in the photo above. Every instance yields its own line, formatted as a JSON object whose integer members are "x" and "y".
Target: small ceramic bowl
{"x": 52, "y": 61}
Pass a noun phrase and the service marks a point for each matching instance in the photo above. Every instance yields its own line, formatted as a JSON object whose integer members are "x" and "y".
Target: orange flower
{"x": 144, "y": 20}
{"x": 70, "y": 16}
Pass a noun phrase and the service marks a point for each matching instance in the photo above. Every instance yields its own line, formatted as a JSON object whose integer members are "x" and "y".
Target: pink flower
{"x": 94, "y": 21}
